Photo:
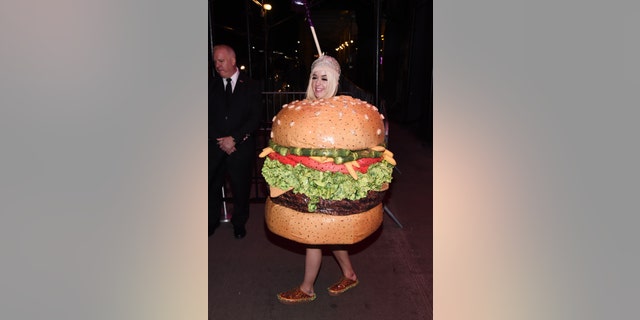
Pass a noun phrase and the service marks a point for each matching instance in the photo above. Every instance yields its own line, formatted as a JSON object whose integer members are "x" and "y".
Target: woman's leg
{"x": 348, "y": 279}
{"x": 305, "y": 292}
{"x": 312, "y": 263}
{"x": 342, "y": 256}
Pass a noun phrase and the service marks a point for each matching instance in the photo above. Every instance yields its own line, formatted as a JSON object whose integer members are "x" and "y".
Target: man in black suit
{"x": 235, "y": 107}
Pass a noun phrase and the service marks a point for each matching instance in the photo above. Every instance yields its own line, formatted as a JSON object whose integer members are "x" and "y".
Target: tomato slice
{"x": 292, "y": 160}
{"x": 281, "y": 158}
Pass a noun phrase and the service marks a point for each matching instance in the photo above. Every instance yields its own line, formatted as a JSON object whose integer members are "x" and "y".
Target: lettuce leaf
{"x": 327, "y": 185}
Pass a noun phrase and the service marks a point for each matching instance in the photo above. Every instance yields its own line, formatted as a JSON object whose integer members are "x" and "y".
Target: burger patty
{"x": 299, "y": 202}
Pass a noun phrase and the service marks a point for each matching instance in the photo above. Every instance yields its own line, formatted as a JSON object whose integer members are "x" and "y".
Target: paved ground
{"x": 394, "y": 264}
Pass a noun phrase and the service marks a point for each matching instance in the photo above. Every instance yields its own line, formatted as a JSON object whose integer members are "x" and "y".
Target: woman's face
{"x": 320, "y": 83}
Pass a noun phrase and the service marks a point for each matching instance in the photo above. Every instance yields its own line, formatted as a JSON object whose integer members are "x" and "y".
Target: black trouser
{"x": 237, "y": 167}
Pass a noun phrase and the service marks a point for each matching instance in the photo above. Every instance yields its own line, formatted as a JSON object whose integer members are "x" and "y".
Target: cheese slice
{"x": 275, "y": 192}
{"x": 322, "y": 159}
{"x": 352, "y": 172}
{"x": 265, "y": 152}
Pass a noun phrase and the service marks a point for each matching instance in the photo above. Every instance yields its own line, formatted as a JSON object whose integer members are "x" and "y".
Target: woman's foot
{"x": 342, "y": 285}
{"x": 295, "y": 296}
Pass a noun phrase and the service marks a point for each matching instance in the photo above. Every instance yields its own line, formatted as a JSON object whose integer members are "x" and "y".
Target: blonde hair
{"x": 333, "y": 76}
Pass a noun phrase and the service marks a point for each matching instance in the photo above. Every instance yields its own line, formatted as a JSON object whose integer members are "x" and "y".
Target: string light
{"x": 344, "y": 45}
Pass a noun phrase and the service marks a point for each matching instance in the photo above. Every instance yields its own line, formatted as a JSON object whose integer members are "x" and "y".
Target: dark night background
{"x": 405, "y": 72}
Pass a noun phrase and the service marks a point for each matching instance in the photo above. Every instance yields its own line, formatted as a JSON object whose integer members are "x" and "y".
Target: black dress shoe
{"x": 239, "y": 232}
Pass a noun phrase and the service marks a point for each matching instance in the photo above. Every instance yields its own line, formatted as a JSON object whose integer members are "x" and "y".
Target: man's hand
{"x": 227, "y": 144}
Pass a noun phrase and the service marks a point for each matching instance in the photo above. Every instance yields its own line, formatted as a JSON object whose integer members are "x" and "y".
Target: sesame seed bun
{"x": 340, "y": 122}
{"x": 318, "y": 228}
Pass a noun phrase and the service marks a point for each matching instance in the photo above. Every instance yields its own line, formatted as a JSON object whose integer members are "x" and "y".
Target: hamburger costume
{"x": 328, "y": 170}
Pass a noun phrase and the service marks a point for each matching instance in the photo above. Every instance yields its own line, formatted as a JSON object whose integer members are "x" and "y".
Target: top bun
{"x": 340, "y": 122}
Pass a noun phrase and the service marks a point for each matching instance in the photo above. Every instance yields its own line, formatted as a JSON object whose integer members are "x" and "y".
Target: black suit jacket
{"x": 242, "y": 117}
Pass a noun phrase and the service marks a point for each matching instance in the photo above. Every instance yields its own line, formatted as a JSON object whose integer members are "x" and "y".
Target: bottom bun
{"x": 319, "y": 228}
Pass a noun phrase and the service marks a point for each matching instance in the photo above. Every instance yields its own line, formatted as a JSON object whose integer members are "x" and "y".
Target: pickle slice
{"x": 339, "y": 155}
